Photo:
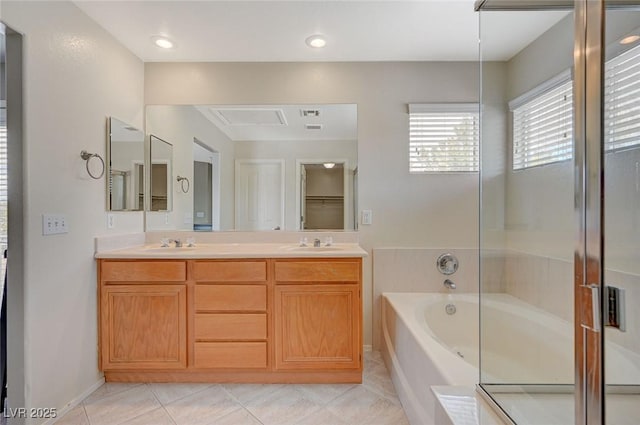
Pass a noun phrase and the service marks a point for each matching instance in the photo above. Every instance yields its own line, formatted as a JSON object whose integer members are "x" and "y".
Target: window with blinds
{"x": 543, "y": 126}
{"x": 622, "y": 101}
{"x": 443, "y": 138}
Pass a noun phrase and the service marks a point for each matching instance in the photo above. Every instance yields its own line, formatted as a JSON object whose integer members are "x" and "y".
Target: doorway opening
{"x": 206, "y": 187}
{"x": 323, "y": 194}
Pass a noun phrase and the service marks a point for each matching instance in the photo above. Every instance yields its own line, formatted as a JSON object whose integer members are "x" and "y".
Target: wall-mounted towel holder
{"x": 182, "y": 181}
{"x": 87, "y": 157}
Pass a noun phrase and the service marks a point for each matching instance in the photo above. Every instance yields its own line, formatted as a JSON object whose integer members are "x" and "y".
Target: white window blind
{"x": 622, "y": 101}
{"x": 443, "y": 138}
{"x": 543, "y": 127}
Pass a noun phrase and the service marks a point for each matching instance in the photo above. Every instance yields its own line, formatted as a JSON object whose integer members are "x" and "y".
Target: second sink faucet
{"x": 316, "y": 242}
{"x": 178, "y": 243}
{"x": 449, "y": 284}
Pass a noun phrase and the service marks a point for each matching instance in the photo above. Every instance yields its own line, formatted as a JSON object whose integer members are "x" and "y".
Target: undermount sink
{"x": 169, "y": 249}
{"x": 315, "y": 249}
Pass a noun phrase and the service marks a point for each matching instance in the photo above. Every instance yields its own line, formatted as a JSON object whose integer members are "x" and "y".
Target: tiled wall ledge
{"x": 464, "y": 406}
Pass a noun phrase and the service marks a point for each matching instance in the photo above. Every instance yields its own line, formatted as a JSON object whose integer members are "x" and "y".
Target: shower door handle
{"x": 590, "y": 317}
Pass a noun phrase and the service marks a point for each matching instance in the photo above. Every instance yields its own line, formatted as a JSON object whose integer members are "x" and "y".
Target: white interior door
{"x": 259, "y": 194}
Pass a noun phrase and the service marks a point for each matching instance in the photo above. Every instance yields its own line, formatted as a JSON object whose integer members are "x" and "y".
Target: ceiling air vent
{"x": 250, "y": 116}
{"x": 313, "y": 126}
{"x": 310, "y": 112}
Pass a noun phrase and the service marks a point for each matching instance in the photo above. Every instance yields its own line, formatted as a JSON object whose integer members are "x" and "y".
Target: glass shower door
{"x": 621, "y": 166}
{"x": 527, "y": 216}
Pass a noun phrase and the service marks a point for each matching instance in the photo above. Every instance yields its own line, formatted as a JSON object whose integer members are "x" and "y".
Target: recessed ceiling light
{"x": 630, "y": 39}
{"x": 329, "y": 164}
{"x": 162, "y": 41}
{"x": 316, "y": 41}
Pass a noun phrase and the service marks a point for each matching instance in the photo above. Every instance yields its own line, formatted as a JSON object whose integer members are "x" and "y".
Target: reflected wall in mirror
{"x": 125, "y": 156}
{"x": 161, "y": 154}
{"x": 245, "y": 163}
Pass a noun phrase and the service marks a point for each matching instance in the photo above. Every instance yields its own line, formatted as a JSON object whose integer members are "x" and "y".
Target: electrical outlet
{"x": 367, "y": 217}
{"x": 111, "y": 221}
{"x": 54, "y": 224}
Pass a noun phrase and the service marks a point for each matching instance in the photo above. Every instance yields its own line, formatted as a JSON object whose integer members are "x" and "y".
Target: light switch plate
{"x": 54, "y": 224}
{"x": 367, "y": 217}
{"x": 111, "y": 221}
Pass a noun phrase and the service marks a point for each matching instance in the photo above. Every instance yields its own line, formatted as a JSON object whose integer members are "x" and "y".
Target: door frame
{"x": 16, "y": 253}
{"x": 345, "y": 191}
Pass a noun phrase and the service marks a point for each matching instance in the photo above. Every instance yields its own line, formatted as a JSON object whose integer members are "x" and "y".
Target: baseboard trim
{"x": 75, "y": 402}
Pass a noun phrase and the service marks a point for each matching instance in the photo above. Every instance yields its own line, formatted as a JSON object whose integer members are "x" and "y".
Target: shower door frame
{"x": 588, "y": 73}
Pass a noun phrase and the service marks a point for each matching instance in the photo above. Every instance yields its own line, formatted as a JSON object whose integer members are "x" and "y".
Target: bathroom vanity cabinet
{"x": 231, "y": 320}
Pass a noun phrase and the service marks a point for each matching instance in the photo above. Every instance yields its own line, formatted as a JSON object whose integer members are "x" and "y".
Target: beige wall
{"x": 75, "y": 76}
{"x": 408, "y": 210}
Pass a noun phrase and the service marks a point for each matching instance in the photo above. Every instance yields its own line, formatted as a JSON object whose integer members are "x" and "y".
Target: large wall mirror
{"x": 161, "y": 154}
{"x": 125, "y": 159}
{"x": 260, "y": 167}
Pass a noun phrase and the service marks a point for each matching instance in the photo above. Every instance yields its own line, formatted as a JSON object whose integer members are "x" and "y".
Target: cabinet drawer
{"x": 143, "y": 271}
{"x": 231, "y": 297}
{"x": 230, "y": 271}
{"x": 317, "y": 271}
{"x": 231, "y": 326}
{"x": 228, "y": 355}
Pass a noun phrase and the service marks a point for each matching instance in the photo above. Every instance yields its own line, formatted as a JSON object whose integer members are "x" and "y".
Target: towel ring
{"x": 182, "y": 180}
{"x": 87, "y": 157}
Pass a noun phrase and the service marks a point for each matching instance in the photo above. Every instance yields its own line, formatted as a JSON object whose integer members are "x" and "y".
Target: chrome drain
{"x": 450, "y": 309}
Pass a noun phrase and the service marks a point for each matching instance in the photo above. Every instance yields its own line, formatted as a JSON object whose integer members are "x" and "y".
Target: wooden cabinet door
{"x": 317, "y": 326}
{"x": 143, "y": 326}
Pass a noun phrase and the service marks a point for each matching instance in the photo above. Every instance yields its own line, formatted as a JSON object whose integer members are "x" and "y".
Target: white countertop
{"x": 236, "y": 250}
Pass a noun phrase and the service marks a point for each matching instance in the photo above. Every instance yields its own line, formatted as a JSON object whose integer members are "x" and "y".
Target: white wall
{"x": 408, "y": 210}
{"x": 75, "y": 76}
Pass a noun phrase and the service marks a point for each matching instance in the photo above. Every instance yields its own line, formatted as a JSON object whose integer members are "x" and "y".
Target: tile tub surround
{"x": 544, "y": 282}
{"x": 547, "y": 283}
{"x": 414, "y": 270}
{"x": 373, "y": 402}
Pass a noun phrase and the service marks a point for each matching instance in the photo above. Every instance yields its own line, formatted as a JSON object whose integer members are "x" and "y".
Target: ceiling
{"x": 275, "y": 31}
{"x": 284, "y": 122}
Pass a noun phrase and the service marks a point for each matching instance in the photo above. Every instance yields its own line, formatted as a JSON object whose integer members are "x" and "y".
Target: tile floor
{"x": 374, "y": 402}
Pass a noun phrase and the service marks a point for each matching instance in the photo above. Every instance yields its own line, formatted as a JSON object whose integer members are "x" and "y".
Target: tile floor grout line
{"x": 145, "y": 384}
{"x": 177, "y": 399}
{"x": 84, "y": 410}
{"x": 168, "y": 414}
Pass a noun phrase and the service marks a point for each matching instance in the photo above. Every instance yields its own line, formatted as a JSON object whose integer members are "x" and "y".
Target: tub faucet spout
{"x": 449, "y": 284}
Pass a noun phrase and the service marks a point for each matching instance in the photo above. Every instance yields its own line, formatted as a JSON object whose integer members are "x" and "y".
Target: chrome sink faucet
{"x": 178, "y": 243}
{"x": 316, "y": 243}
{"x": 449, "y": 284}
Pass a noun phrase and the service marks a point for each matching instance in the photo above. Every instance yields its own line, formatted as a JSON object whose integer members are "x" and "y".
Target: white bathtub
{"x": 423, "y": 346}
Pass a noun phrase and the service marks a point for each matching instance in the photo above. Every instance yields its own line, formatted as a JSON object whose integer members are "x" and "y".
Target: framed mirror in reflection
{"x": 261, "y": 167}
{"x": 161, "y": 154}
{"x": 125, "y": 159}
